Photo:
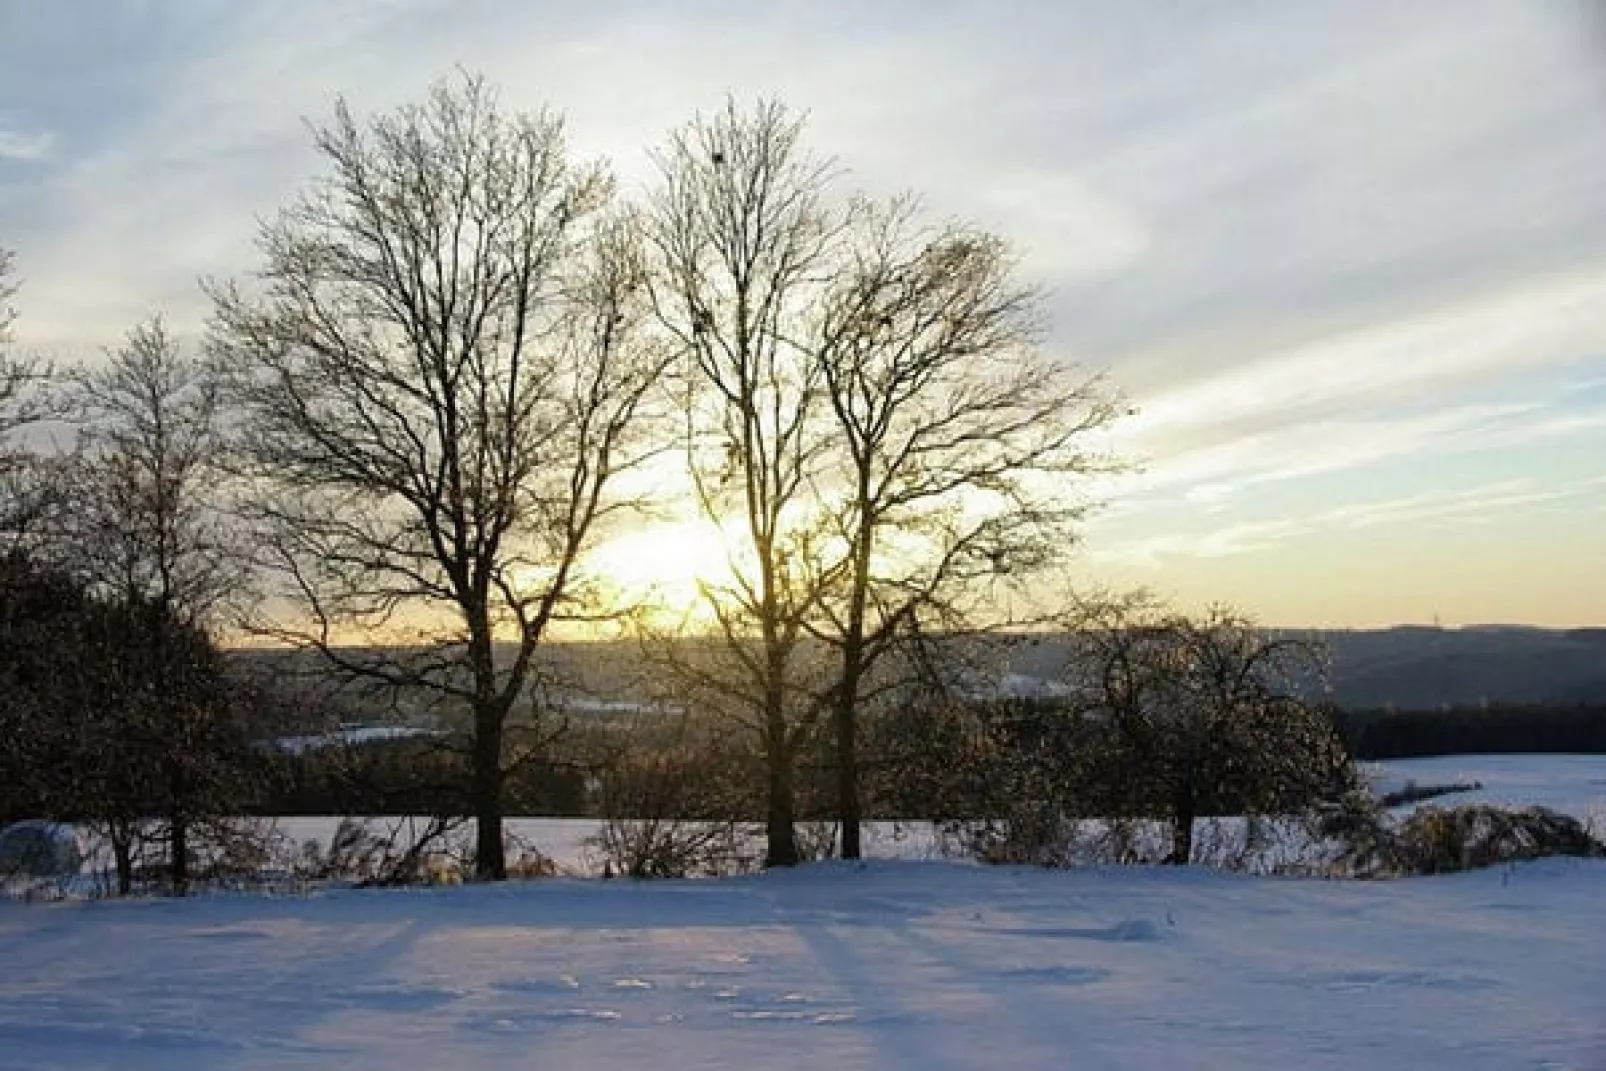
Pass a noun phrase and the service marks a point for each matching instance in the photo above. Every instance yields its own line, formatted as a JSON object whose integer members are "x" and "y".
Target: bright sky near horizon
{"x": 1348, "y": 259}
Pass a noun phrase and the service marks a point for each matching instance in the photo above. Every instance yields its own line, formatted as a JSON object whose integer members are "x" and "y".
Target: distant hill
{"x": 1406, "y": 668}
{"x": 1421, "y": 668}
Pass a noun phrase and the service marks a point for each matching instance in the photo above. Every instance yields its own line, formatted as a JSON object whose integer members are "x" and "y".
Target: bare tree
{"x": 960, "y": 439}
{"x": 1209, "y": 712}
{"x": 147, "y": 532}
{"x": 440, "y": 379}
{"x": 151, "y": 519}
{"x": 13, "y": 375}
{"x": 24, "y": 492}
{"x": 743, "y": 243}
{"x": 870, "y": 421}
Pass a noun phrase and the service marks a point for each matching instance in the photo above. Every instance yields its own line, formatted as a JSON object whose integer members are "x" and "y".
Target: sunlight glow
{"x": 663, "y": 565}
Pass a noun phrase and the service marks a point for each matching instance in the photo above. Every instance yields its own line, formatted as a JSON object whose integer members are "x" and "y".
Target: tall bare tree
{"x": 961, "y": 442}
{"x": 23, "y": 490}
{"x": 152, "y": 525}
{"x": 12, "y": 374}
{"x": 743, "y": 241}
{"x": 148, "y": 534}
{"x": 870, "y": 420}
{"x": 440, "y": 379}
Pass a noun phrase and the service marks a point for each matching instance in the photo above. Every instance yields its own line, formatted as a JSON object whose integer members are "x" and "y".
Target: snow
{"x": 349, "y": 736}
{"x": 903, "y": 963}
{"x": 893, "y": 964}
{"x": 1572, "y": 784}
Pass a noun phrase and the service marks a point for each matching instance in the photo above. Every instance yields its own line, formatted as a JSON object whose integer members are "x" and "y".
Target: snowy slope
{"x": 1572, "y": 784}
{"x": 901, "y": 964}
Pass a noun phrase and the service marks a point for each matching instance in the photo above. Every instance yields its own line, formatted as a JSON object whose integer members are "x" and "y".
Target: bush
{"x": 1364, "y": 845}
{"x": 38, "y": 849}
{"x": 355, "y": 853}
{"x": 670, "y": 809}
{"x": 672, "y": 848}
{"x": 1438, "y": 841}
{"x": 1038, "y": 835}
{"x": 408, "y": 851}
{"x": 1445, "y": 840}
{"x": 816, "y": 840}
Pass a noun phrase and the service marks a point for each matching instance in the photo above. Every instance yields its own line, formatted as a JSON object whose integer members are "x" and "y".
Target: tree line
{"x": 463, "y": 360}
{"x": 1497, "y": 729}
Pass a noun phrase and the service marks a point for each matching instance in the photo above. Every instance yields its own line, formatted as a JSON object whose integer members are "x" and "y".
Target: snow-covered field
{"x": 1572, "y": 784}
{"x": 899, "y": 963}
{"x": 896, "y": 965}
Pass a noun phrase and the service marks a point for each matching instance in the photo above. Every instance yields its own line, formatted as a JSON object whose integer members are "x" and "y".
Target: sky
{"x": 1346, "y": 258}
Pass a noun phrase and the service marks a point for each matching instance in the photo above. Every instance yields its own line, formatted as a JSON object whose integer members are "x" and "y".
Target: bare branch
{"x": 442, "y": 373}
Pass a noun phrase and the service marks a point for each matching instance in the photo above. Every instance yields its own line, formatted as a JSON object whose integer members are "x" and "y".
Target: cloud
{"x": 1486, "y": 375}
{"x": 1303, "y": 451}
{"x": 1470, "y": 341}
{"x": 24, "y": 146}
{"x": 1069, "y": 230}
{"x": 1163, "y": 172}
{"x": 1470, "y": 505}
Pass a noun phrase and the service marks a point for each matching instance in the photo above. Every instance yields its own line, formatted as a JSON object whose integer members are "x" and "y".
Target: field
{"x": 1572, "y": 784}
{"x": 891, "y": 964}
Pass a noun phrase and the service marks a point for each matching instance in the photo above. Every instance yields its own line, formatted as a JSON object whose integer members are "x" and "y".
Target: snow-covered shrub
{"x": 1364, "y": 843}
{"x": 816, "y": 840}
{"x": 672, "y": 806}
{"x": 531, "y": 863}
{"x": 672, "y": 848}
{"x": 1435, "y": 841}
{"x": 355, "y": 853}
{"x": 240, "y": 853}
{"x": 409, "y": 851}
{"x": 1038, "y": 835}
{"x": 524, "y": 859}
{"x": 38, "y": 849}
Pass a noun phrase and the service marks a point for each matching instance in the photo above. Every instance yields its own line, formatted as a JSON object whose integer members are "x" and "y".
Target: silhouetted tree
{"x": 440, "y": 374}
{"x": 1205, "y": 711}
{"x": 42, "y": 610}
{"x": 959, "y": 442}
{"x": 24, "y": 488}
{"x": 743, "y": 242}
{"x": 870, "y": 423}
{"x": 147, "y": 531}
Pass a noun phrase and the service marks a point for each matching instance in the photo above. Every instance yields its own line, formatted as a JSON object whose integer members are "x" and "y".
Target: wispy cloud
{"x": 23, "y": 145}
{"x": 1336, "y": 446}
{"x": 1472, "y": 341}
{"x": 1248, "y": 537}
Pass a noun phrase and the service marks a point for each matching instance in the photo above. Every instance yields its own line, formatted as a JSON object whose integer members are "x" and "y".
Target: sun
{"x": 665, "y": 565}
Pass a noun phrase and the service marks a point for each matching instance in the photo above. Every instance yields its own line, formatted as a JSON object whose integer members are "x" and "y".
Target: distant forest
{"x": 1496, "y": 730}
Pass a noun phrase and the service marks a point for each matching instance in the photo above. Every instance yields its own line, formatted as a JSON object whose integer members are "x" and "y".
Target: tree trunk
{"x": 178, "y": 828}
{"x": 123, "y": 859}
{"x": 781, "y": 813}
{"x": 779, "y": 832}
{"x": 853, "y": 658}
{"x": 780, "y": 835}
{"x": 847, "y": 766}
{"x": 180, "y": 841}
{"x": 1182, "y": 837}
{"x": 490, "y": 863}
